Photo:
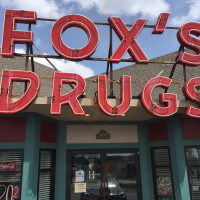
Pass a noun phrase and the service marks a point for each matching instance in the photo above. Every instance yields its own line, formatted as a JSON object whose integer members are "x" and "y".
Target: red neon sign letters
{"x": 8, "y": 77}
{"x": 128, "y": 37}
{"x": 190, "y": 91}
{"x": 190, "y": 42}
{"x": 74, "y": 21}
{"x": 11, "y": 36}
{"x": 128, "y": 43}
{"x": 169, "y": 99}
{"x": 161, "y": 23}
{"x": 71, "y": 98}
{"x": 125, "y": 96}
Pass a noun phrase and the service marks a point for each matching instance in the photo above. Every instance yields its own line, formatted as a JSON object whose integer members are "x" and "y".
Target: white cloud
{"x": 53, "y": 9}
{"x": 192, "y": 15}
{"x": 67, "y": 66}
{"x": 44, "y": 8}
{"x": 38, "y": 41}
{"x": 64, "y": 65}
{"x": 147, "y": 8}
{"x": 20, "y": 50}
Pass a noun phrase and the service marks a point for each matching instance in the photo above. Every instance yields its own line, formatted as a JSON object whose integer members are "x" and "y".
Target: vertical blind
{"x": 193, "y": 168}
{"x": 10, "y": 178}
{"x": 46, "y": 183}
{"x": 162, "y": 173}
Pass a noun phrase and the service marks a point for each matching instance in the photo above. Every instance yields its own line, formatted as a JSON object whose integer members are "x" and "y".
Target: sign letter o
{"x": 79, "y": 21}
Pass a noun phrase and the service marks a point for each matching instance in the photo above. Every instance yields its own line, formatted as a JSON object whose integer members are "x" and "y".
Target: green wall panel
{"x": 179, "y": 168}
{"x": 31, "y": 158}
{"x": 145, "y": 163}
{"x": 32, "y": 145}
{"x": 61, "y": 162}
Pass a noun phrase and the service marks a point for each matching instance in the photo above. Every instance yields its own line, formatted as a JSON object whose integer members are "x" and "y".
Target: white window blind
{"x": 46, "y": 184}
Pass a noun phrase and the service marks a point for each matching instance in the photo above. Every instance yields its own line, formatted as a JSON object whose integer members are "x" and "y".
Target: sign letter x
{"x": 128, "y": 42}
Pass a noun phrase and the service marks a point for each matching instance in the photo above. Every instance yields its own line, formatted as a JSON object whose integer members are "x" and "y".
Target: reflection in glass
{"x": 193, "y": 165}
{"x": 162, "y": 174}
{"x": 10, "y": 174}
{"x": 163, "y": 181}
{"x": 106, "y": 176}
{"x": 123, "y": 168}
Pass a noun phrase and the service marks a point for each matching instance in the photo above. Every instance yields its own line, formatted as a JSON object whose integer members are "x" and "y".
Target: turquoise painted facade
{"x": 32, "y": 146}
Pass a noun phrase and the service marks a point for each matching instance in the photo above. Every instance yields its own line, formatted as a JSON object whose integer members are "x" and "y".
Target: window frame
{"x": 18, "y": 171}
{"x": 52, "y": 170}
{"x": 70, "y": 152}
{"x": 153, "y": 166}
{"x": 187, "y": 165}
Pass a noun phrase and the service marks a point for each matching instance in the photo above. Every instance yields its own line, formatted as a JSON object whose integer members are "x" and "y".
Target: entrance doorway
{"x": 103, "y": 175}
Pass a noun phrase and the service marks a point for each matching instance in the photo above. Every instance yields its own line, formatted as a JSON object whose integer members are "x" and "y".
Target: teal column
{"x": 31, "y": 158}
{"x": 145, "y": 163}
{"x": 179, "y": 168}
{"x": 60, "y": 191}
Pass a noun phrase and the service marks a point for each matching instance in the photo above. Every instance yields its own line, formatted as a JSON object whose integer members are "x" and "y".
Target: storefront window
{"x": 99, "y": 175}
{"x": 46, "y": 185}
{"x": 193, "y": 167}
{"x": 11, "y": 164}
{"x": 162, "y": 174}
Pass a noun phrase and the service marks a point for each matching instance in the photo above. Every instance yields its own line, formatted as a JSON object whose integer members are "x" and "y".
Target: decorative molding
{"x": 103, "y": 135}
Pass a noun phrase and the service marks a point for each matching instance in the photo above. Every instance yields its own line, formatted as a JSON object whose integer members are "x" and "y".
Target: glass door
{"x": 103, "y": 175}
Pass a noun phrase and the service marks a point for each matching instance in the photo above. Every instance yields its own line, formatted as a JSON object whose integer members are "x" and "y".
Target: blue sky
{"x": 182, "y": 11}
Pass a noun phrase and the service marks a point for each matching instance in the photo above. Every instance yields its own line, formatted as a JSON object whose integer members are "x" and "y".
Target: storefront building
{"x": 135, "y": 156}
{"x": 96, "y": 156}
